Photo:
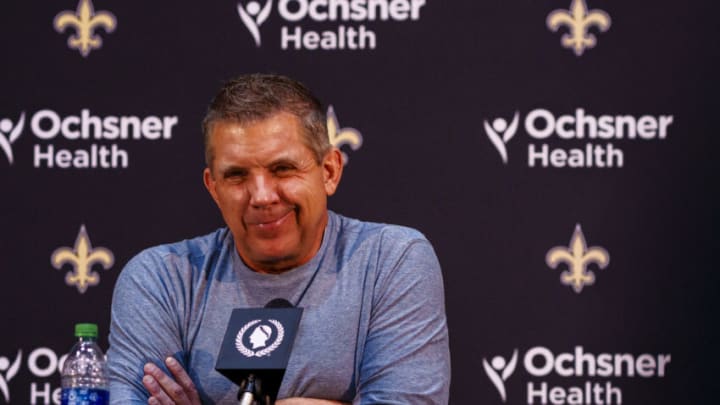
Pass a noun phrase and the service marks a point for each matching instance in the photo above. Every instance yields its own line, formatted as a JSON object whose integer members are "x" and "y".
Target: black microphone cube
{"x": 259, "y": 341}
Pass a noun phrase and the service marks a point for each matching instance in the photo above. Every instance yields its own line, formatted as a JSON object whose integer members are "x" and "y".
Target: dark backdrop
{"x": 421, "y": 100}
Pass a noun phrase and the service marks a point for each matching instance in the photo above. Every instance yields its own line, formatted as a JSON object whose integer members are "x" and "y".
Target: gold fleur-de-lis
{"x": 85, "y": 21}
{"x": 342, "y": 136}
{"x": 578, "y": 19}
{"x": 577, "y": 257}
{"x": 82, "y": 257}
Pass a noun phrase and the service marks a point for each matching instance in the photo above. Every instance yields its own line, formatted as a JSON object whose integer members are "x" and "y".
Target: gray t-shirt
{"x": 373, "y": 330}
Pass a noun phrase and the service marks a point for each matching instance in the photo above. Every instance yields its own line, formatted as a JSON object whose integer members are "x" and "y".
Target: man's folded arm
{"x": 406, "y": 357}
{"x": 143, "y": 328}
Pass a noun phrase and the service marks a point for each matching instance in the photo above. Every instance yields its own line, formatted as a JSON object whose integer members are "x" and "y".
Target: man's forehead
{"x": 253, "y": 120}
{"x": 281, "y": 124}
{"x": 235, "y": 144}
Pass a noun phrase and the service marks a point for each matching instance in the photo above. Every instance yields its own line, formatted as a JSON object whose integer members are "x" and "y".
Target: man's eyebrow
{"x": 294, "y": 159}
{"x": 285, "y": 160}
{"x": 231, "y": 169}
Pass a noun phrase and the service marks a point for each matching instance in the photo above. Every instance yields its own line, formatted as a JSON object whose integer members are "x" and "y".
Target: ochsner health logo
{"x": 500, "y": 133}
{"x": 499, "y": 370}
{"x": 8, "y": 370}
{"x": 84, "y": 140}
{"x": 582, "y": 377}
{"x": 41, "y": 366}
{"x": 346, "y": 18}
{"x": 9, "y": 133}
{"x": 253, "y": 15}
{"x": 579, "y": 139}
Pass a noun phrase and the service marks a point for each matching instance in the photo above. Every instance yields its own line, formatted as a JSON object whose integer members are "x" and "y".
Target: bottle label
{"x": 84, "y": 396}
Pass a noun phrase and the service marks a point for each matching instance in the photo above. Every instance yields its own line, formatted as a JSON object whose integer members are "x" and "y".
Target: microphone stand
{"x": 251, "y": 390}
{"x": 246, "y": 396}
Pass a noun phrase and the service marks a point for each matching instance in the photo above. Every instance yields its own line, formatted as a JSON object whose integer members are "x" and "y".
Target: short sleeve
{"x": 406, "y": 356}
{"x": 144, "y": 326}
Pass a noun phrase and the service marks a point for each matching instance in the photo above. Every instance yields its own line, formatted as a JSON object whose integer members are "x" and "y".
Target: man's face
{"x": 270, "y": 190}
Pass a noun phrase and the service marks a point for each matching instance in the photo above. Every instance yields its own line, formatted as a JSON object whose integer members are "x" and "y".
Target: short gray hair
{"x": 254, "y": 97}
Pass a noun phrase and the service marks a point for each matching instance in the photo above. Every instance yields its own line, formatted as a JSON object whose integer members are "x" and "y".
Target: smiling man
{"x": 373, "y": 330}
{"x": 271, "y": 190}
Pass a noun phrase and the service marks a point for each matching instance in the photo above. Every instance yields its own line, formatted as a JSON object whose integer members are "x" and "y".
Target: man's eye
{"x": 235, "y": 174}
{"x": 280, "y": 169}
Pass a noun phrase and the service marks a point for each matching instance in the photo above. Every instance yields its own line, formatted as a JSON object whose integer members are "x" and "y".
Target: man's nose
{"x": 263, "y": 190}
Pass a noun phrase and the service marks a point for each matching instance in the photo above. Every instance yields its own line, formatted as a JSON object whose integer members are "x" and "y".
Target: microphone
{"x": 251, "y": 387}
{"x": 279, "y": 303}
{"x": 256, "y": 349}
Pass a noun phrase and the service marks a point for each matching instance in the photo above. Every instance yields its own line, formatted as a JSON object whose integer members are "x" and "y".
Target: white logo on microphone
{"x": 500, "y": 133}
{"x": 498, "y": 370}
{"x": 252, "y": 15}
{"x": 9, "y": 133}
{"x": 260, "y": 333}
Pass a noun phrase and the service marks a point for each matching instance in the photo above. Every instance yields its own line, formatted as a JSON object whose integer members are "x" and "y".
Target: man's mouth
{"x": 270, "y": 221}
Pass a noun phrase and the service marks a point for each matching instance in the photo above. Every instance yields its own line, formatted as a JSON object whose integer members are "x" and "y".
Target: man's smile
{"x": 268, "y": 221}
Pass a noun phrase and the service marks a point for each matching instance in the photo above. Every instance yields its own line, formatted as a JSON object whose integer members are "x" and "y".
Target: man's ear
{"x": 332, "y": 166}
{"x": 210, "y": 183}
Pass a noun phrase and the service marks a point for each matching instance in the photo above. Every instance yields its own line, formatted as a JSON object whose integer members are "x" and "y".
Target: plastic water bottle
{"x": 84, "y": 374}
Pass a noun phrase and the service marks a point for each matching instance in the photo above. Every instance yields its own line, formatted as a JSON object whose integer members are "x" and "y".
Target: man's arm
{"x": 180, "y": 390}
{"x": 406, "y": 358}
{"x": 308, "y": 401}
{"x": 144, "y": 325}
{"x": 145, "y": 328}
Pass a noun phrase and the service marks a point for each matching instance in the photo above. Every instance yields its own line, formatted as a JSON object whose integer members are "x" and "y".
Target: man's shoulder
{"x": 352, "y": 229}
{"x": 177, "y": 256}
{"x": 198, "y": 246}
{"x": 174, "y": 270}
{"x": 385, "y": 250}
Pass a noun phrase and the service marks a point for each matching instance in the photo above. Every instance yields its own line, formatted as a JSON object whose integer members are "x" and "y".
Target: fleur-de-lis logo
{"x": 82, "y": 257}
{"x": 85, "y": 20}
{"x": 578, "y": 19}
{"x": 342, "y": 136}
{"x": 577, "y": 256}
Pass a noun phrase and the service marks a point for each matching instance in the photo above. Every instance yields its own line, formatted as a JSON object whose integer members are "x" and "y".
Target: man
{"x": 373, "y": 330}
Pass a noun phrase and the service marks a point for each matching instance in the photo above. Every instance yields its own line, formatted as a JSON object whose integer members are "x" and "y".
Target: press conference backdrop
{"x": 559, "y": 154}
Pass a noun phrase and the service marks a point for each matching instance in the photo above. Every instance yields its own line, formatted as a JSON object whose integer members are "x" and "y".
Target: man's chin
{"x": 272, "y": 261}
{"x": 277, "y": 266}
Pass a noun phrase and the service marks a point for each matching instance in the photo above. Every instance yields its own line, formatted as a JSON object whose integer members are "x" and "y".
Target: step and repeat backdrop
{"x": 559, "y": 154}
